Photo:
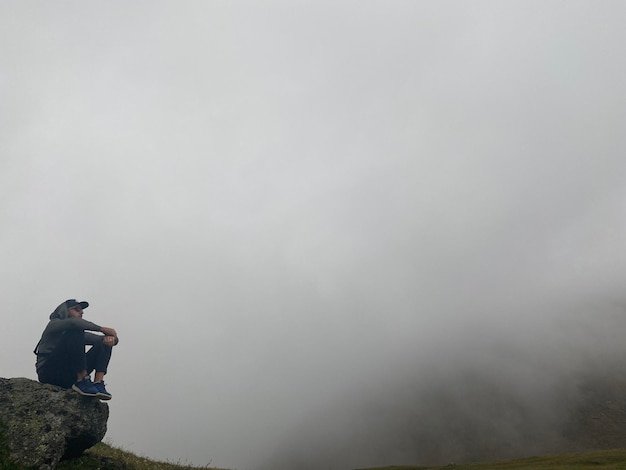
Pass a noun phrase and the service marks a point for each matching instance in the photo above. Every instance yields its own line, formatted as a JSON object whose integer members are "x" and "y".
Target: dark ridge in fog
{"x": 518, "y": 394}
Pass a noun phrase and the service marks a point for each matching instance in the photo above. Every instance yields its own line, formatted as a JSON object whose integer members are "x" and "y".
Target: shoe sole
{"x": 85, "y": 394}
{"x": 103, "y": 396}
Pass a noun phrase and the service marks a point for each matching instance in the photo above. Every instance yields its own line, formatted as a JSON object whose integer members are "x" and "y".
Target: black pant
{"x": 68, "y": 358}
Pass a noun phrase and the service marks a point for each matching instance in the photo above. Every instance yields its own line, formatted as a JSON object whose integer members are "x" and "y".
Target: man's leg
{"x": 74, "y": 341}
{"x": 75, "y": 350}
{"x": 98, "y": 358}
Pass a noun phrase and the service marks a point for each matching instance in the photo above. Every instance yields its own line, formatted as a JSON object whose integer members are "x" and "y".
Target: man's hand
{"x": 110, "y": 336}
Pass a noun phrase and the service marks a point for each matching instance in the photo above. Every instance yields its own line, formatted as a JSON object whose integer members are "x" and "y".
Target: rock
{"x": 42, "y": 424}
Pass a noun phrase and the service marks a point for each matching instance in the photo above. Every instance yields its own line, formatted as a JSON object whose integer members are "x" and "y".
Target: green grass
{"x": 106, "y": 457}
{"x": 598, "y": 460}
{"x": 103, "y": 457}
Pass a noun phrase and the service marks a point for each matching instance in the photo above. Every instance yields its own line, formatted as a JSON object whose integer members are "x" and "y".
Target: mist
{"x": 329, "y": 234}
{"x": 510, "y": 393}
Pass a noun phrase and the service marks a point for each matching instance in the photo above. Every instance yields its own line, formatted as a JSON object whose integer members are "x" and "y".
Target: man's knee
{"x": 74, "y": 333}
{"x": 74, "y": 336}
{"x": 73, "y": 341}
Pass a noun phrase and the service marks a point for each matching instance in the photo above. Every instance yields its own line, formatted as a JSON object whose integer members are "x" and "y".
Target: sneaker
{"x": 85, "y": 387}
{"x": 103, "y": 394}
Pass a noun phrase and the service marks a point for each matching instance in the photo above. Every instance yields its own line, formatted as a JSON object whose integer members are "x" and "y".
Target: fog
{"x": 329, "y": 234}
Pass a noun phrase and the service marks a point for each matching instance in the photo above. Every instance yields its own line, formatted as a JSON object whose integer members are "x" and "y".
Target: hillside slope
{"x": 598, "y": 460}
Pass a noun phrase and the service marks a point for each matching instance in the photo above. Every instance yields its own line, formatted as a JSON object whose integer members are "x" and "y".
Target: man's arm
{"x": 92, "y": 338}
{"x": 72, "y": 324}
{"x": 80, "y": 324}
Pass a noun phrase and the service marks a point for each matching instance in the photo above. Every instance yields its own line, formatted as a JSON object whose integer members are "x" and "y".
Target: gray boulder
{"x": 42, "y": 424}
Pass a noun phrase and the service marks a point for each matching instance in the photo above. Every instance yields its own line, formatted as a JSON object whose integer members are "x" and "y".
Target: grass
{"x": 106, "y": 457}
{"x": 597, "y": 460}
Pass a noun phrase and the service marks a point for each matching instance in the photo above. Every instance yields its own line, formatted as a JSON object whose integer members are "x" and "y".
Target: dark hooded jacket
{"x": 59, "y": 323}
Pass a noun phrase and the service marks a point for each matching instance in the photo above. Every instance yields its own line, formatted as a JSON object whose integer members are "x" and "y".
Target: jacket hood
{"x": 60, "y": 313}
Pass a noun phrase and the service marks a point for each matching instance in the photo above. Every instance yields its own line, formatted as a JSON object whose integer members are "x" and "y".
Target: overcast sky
{"x": 283, "y": 205}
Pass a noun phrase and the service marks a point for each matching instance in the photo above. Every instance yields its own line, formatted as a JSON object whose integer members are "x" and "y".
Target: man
{"x": 61, "y": 357}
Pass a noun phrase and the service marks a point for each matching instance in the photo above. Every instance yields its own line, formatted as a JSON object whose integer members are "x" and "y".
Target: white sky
{"x": 279, "y": 204}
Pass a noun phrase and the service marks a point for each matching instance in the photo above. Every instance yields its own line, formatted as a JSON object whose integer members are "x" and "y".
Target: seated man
{"x": 61, "y": 357}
